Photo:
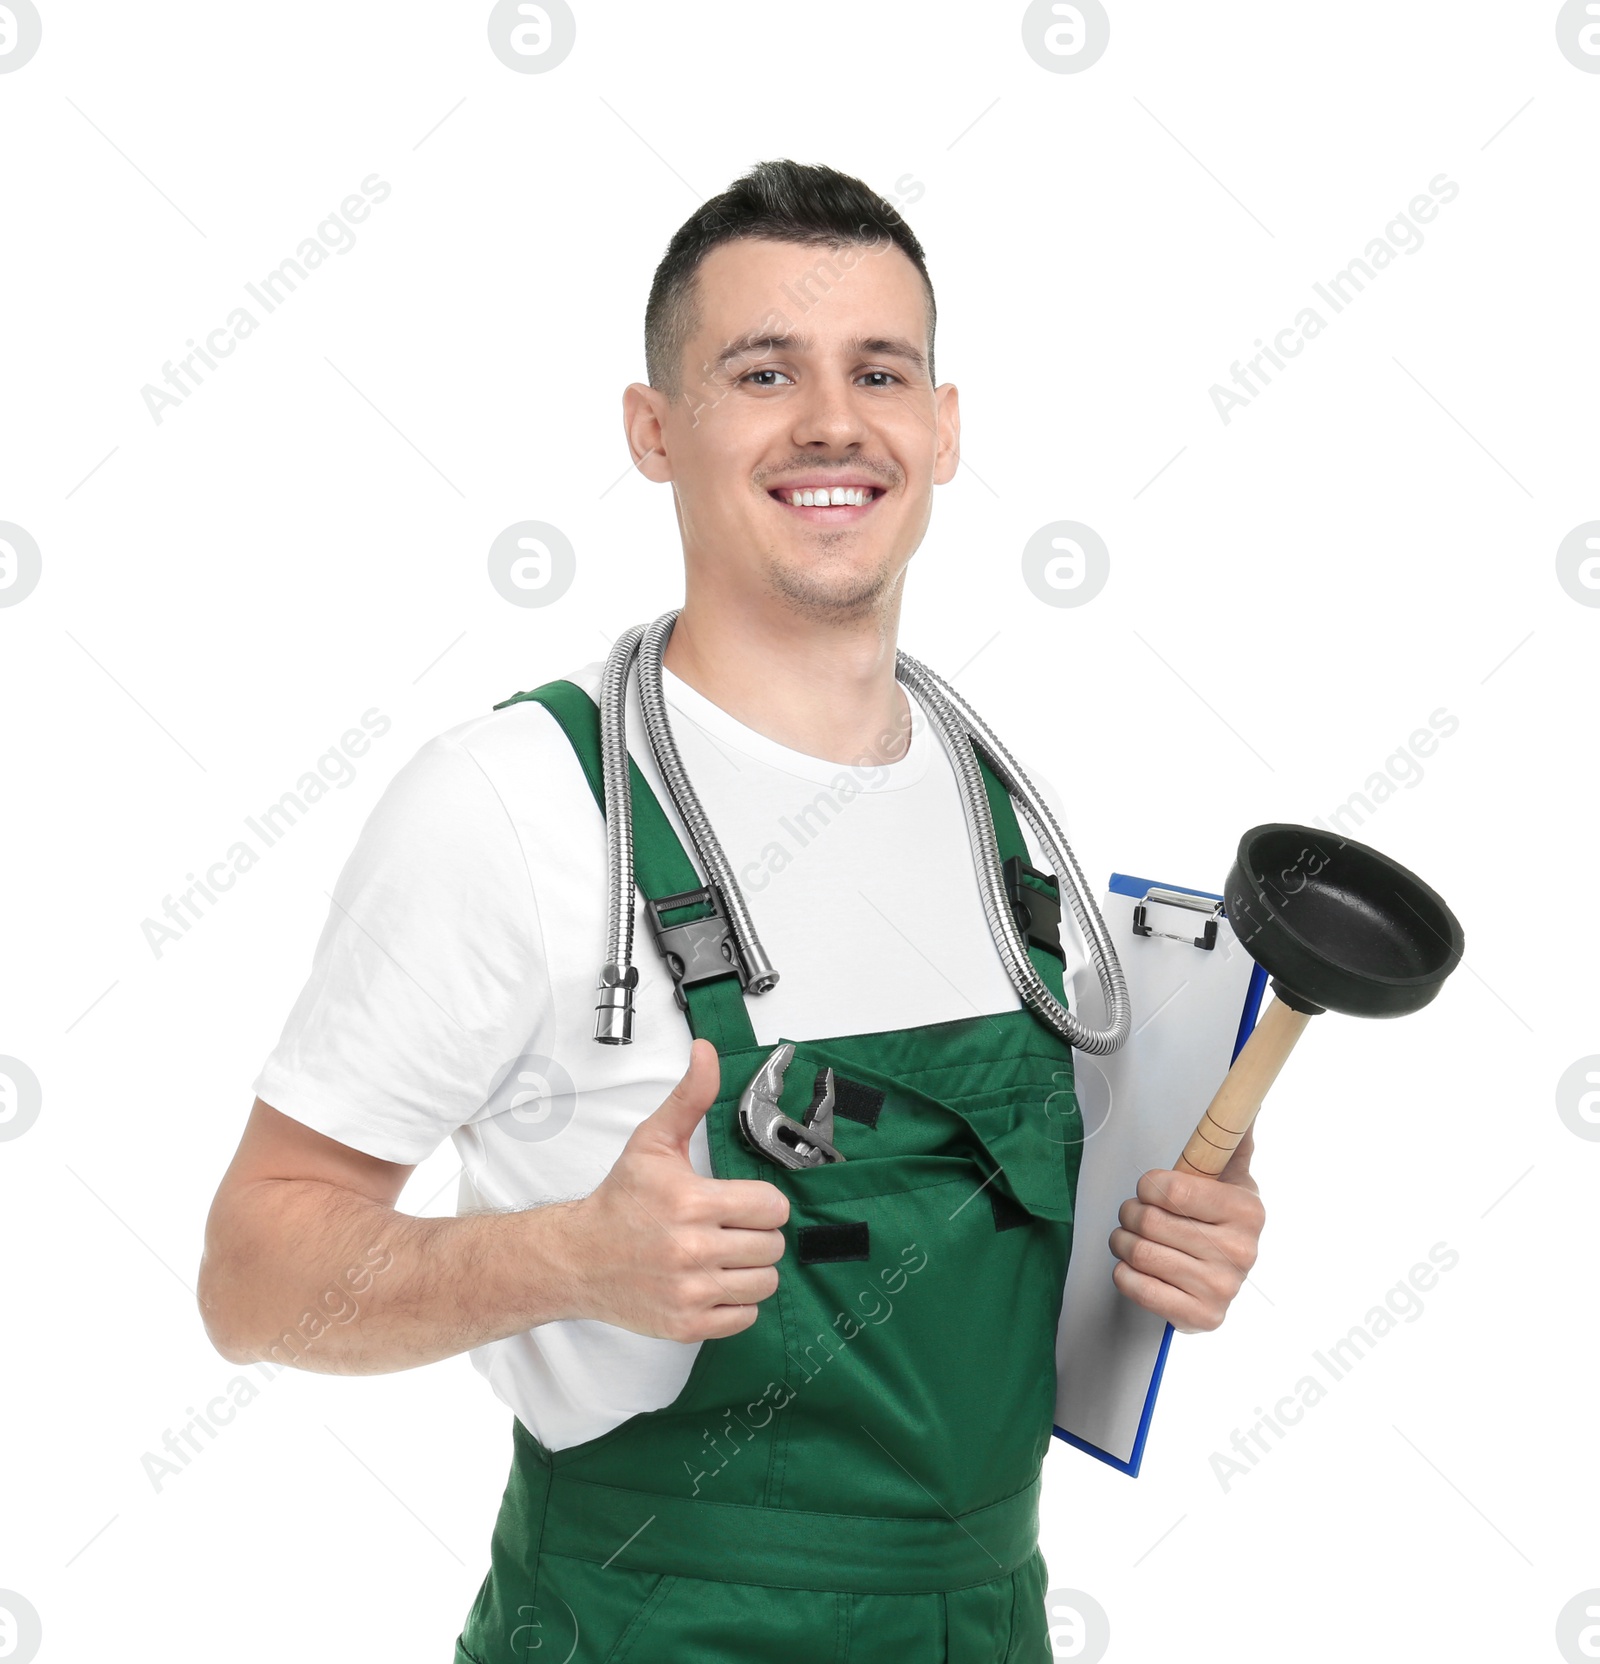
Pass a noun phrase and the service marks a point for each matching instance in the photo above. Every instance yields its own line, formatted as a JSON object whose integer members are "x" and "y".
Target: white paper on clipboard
{"x": 1192, "y": 1009}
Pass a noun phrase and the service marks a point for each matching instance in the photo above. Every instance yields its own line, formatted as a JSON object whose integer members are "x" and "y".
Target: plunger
{"x": 1338, "y": 927}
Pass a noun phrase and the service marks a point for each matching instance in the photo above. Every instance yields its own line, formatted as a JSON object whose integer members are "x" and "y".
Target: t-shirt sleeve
{"x": 429, "y": 975}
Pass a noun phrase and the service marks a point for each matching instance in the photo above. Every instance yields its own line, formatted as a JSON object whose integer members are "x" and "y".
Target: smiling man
{"x": 762, "y": 1410}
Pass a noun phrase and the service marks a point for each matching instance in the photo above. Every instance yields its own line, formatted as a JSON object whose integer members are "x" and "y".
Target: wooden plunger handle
{"x": 1246, "y": 1084}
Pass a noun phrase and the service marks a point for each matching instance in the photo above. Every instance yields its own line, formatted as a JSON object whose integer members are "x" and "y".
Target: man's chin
{"x": 833, "y": 587}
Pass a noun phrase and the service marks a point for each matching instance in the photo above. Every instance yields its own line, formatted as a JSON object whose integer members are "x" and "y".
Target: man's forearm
{"x": 297, "y": 1271}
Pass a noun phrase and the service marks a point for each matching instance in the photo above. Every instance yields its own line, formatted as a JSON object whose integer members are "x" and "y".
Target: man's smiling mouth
{"x": 828, "y": 504}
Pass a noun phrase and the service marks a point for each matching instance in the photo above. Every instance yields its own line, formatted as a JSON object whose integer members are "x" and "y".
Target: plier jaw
{"x": 777, "y": 1136}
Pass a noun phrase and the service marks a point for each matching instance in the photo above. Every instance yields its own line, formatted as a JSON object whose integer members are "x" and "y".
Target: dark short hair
{"x": 789, "y": 202}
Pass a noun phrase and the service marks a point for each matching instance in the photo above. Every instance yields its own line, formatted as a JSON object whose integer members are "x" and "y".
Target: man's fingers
{"x": 748, "y": 1204}
{"x": 740, "y": 1248}
{"x": 1197, "y": 1197}
{"x": 1183, "y": 1311}
{"x": 1231, "y": 1242}
{"x": 741, "y": 1288}
{"x": 718, "y": 1305}
{"x": 1185, "y": 1244}
{"x": 1188, "y": 1235}
{"x": 684, "y": 1107}
{"x": 1206, "y": 1279}
{"x": 722, "y": 1321}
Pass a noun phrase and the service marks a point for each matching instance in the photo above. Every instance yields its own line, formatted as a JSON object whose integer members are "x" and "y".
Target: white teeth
{"x": 841, "y": 496}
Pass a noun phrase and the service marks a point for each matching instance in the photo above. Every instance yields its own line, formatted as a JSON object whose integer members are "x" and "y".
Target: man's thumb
{"x": 685, "y": 1105}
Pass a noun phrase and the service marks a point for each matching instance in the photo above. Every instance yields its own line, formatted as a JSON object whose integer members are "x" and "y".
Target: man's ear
{"x": 643, "y": 421}
{"x": 947, "y": 426}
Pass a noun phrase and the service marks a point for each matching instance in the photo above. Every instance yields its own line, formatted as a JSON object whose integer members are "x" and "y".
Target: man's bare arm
{"x": 308, "y": 1263}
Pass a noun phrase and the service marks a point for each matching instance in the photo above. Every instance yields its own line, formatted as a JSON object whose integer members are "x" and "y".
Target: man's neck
{"x": 819, "y": 686}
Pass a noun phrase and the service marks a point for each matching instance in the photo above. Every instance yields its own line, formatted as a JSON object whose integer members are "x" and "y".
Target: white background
{"x": 1374, "y": 538}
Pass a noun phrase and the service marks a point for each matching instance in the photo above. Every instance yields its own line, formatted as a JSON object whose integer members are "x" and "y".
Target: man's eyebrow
{"x": 758, "y": 341}
{"x": 891, "y": 346}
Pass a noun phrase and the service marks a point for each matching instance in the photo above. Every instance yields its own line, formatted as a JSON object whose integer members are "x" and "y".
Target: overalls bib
{"x": 856, "y": 1475}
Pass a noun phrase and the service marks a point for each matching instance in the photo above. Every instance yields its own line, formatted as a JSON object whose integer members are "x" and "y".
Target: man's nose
{"x": 829, "y": 413}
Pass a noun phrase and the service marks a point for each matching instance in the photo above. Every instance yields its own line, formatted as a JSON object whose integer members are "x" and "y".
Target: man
{"x": 761, "y": 1412}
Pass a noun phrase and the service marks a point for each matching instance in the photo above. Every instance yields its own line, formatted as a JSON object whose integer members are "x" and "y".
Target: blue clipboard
{"x": 1194, "y": 1006}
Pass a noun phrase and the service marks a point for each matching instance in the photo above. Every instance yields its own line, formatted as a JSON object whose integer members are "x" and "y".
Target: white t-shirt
{"x": 452, "y": 992}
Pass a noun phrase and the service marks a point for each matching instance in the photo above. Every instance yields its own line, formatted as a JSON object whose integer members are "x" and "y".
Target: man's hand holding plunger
{"x": 1185, "y": 1242}
{"x": 663, "y": 1250}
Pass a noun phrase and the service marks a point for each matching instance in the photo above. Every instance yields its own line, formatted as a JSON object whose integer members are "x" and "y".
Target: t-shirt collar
{"x": 869, "y": 775}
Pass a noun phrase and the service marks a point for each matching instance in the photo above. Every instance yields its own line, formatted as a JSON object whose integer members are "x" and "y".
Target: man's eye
{"x": 879, "y": 378}
{"x": 756, "y": 377}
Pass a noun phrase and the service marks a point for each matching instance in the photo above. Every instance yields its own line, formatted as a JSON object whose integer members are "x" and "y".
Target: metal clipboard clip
{"x": 1178, "y": 898}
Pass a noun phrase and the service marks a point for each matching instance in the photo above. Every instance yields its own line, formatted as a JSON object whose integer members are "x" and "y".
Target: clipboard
{"x": 1195, "y": 993}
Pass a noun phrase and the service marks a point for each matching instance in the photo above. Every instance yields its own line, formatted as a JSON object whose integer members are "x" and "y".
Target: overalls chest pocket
{"x": 921, "y": 1284}
{"x": 921, "y": 1117}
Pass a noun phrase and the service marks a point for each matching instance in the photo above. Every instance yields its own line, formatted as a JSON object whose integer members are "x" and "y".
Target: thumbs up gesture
{"x": 662, "y": 1250}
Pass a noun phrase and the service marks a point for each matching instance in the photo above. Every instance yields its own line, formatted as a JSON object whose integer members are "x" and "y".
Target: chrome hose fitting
{"x": 613, "y": 1009}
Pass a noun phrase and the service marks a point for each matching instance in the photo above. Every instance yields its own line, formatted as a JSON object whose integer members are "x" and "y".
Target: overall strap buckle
{"x": 698, "y": 949}
{"x": 1038, "y": 914}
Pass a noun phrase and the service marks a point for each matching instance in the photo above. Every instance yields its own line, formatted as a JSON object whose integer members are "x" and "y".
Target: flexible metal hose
{"x": 618, "y": 976}
{"x": 713, "y": 863}
{"x": 957, "y": 725}
{"x": 613, "y": 1024}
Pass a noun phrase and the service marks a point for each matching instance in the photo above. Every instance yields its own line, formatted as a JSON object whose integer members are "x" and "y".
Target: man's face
{"x": 806, "y": 375}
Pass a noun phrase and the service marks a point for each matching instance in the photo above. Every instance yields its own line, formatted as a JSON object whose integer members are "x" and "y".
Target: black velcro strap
{"x": 820, "y": 1243}
{"x": 1008, "y": 1211}
{"x": 856, "y": 1102}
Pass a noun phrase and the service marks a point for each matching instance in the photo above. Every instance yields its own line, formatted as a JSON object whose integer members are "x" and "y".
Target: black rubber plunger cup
{"x": 1338, "y": 927}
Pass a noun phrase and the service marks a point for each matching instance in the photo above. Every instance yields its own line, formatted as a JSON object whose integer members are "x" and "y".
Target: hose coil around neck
{"x": 960, "y": 729}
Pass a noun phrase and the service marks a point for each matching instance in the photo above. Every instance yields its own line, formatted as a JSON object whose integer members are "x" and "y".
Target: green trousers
{"x": 856, "y": 1475}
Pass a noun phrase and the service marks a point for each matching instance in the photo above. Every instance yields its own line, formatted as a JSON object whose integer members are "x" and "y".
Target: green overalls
{"x": 856, "y": 1475}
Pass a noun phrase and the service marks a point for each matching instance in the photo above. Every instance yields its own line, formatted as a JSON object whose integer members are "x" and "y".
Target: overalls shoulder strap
{"x": 1048, "y": 960}
{"x": 662, "y": 868}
